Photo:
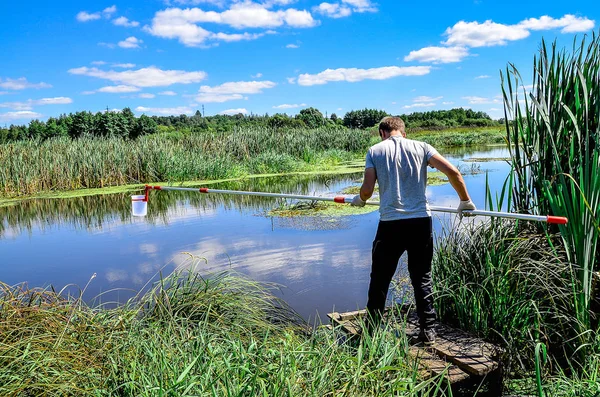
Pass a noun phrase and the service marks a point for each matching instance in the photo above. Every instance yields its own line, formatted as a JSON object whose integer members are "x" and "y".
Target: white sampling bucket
{"x": 139, "y": 205}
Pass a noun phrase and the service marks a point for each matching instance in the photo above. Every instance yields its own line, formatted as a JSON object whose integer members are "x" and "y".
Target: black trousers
{"x": 393, "y": 238}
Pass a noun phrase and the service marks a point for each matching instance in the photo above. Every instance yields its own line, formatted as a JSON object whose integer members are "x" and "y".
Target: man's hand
{"x": 466, "y": 205}
{"x": 357, "y": 201}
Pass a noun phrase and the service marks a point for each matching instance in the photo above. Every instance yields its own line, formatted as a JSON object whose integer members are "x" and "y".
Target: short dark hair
{"x": 390, "y": 123}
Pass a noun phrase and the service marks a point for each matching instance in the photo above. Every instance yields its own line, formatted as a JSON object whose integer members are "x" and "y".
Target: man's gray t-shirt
{"x": 401, "y": 167}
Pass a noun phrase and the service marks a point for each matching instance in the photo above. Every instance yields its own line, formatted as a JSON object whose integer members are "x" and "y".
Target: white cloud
{"x": 168, "y": 93}
{"x": 271, "y": 3}
{"x": 130, "y": 42}
{"x": 463, "y": 35}
{"x": 333, "y": 10}
{"x": 146, "y": 96}
{"x": 438, "y": 54}
{"x": 145, "y": 77}
{"x": 361, "y": 5}
{"x": 88, "y": 92}
{"x": 238, "y": 87}
{"x": 53, "y": 101}
{"x": 477, "y": 100}
{"x": 30, "y": 103}
{"x": 21, "y": 115}
{"x": 486, "y": 34}
{"x": 291, "y": 80}
{"x": 4, "y": 92}
{"x": 98, "y": 63}
{"x": 569, "y": 23}
{"x": 483, "y": 76}
{"x": 427, "y": 99}
{"x": 419, "y": 105}
{"x": 292, "y": 46}
{"x": 124, "y": 65}
{"x": 287, "y": 106}
{"x": 119, "y": 89}
{"x": 107, "y": 45}
{"x": 353, "y": 74}
{"x": 345, "y": 8}
{"x": 231, "y": 112}
{"x": 218, "y": 98}
{"x": 182, "y": 24}
{"x": 109, "y": 11}
{"x": 257, "y": 76}
{"x": 123, "y": 21}
{"x": 83, "y": 16}
{"x": 232, "y": 90}
{"x": 21, "y": 83}
{"x": 166, "y": 111}
{"x": 447, "y": 103}
{"x": 229, "y": 37}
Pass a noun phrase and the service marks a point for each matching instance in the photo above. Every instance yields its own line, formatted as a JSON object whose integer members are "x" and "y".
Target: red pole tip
{"x": 203, "y": 190}
{"x": 339, "y": 199}
{"x": 559, "y": 220}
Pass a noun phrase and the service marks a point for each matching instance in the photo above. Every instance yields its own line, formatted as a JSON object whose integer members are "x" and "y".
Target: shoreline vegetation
{"x": 54, "y": 166}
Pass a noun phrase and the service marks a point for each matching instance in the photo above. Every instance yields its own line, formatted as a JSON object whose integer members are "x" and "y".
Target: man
{"x": 399, "y": 165}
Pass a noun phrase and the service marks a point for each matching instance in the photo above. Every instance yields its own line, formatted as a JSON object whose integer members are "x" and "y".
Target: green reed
{"x": 188, "y": 335}
{"x": 64, "y": 164}
{"x": 555, "y": 141}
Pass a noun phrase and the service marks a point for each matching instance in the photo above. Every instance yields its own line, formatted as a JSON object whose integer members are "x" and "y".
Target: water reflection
{"x": 56, "y": 242}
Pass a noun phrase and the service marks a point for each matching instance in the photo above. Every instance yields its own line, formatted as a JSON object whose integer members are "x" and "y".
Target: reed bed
{"x": 65, "y": 164}
{"x": 555, "y": 139}
{"x": 188, "y": 335}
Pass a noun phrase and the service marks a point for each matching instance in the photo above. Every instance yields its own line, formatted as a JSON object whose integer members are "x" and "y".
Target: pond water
{"x": 320, "y": 264}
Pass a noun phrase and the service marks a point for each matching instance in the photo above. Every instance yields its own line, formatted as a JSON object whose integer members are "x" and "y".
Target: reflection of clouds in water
{"x": 148, "y": 268}
{"x": 148, "y": 249}
{"x": 10, "y": 233}
{"x": 116, "y": 275}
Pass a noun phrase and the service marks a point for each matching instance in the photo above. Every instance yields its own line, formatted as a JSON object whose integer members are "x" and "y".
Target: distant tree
{"x": 144, "y": 125}
{"x": 311, "y": 117}
{"x": 365, "y": 118}
{"x": 82, "y": 125}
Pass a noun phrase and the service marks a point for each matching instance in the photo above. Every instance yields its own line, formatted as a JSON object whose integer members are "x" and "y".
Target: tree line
{"x": 126, "y": 125}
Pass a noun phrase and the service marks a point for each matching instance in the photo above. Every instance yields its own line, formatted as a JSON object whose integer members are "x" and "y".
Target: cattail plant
{"x": 554, "y": 137}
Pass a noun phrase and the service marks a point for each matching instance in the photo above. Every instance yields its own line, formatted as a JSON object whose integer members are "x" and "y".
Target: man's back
{"x": 401, "y": 166}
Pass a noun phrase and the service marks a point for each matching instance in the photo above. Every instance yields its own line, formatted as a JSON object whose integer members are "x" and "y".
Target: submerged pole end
{"x": 559, "y": 220}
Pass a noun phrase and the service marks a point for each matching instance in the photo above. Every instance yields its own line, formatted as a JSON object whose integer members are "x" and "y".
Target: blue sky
{"x": 174, "y": 56}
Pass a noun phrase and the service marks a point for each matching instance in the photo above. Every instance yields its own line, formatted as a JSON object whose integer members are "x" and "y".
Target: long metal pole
{"x": 343, "y": 199}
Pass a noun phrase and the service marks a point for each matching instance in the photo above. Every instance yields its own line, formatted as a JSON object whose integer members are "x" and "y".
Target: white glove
{"x": 357, "y": 201}
{"x": 466, "y": 205}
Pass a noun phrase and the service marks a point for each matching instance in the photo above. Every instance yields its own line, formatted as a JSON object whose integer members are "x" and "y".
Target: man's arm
{"x": 366, "y": 190}
{"x": 456, "y": 180}
{"x": 368, "y": 185}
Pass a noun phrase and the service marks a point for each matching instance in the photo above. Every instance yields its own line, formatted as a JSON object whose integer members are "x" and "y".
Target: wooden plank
{"x": 433, "y": 366}
{"x": 469, "y": 353}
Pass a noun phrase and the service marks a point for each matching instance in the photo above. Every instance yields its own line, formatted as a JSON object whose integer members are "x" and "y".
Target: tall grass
{"x": 64, "y": 164}
{"x": 555, "y": 142}
{"x": 189, "y": 335}
{"x": 489, "y": 281}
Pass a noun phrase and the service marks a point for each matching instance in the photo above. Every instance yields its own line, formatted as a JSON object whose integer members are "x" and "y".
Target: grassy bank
{"x": 32, "y": 168}
{"x": 460, "y": 136}
{"x": 189, "y": 336}
{"x": 63, "y": 164}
